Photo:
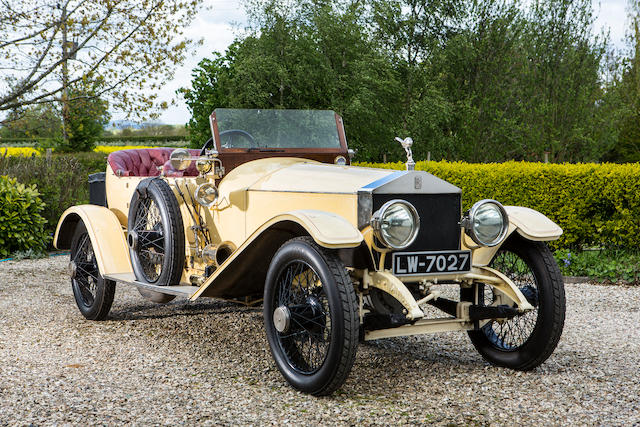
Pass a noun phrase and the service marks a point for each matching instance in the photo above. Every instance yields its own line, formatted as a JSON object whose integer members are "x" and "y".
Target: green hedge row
{"x": 595, "y": 204}
{"x": 61, "y": 181}
{"x": 21, "y": 222}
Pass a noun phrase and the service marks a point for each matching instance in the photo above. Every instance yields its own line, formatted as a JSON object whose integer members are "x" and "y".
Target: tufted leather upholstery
{"x": 146, "y": 161}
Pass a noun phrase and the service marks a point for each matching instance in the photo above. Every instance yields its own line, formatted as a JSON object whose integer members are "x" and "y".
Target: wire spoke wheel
{"x": 156, "y": 236}
{"x": 150, "y": 231}
{"x": 306, "y": 341}
{"x": 511, "y": 334}
{"x": 86, "y": 271}
{"x": 92, "y": 292}
{"x": 311, "y": 316}
{"x": 528, "y": 339}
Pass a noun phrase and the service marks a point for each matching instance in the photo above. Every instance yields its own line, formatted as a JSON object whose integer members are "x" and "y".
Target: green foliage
{"x": 21, "y": 222}
{"x": 61, "y": 182}
{"x": 595, "y": 204}
{"x": 479, "y": 81}
{"x": 31, "y": 122}
{"x": 607, "y": 265}
{"x": 318, "y": 56}
{"x": 87, "y": 116}
{"x": 135, "y": 45}
{"x": 625, "y": 90}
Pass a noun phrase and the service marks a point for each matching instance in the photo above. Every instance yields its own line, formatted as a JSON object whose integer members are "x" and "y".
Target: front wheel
{"x": 527, "y": 340}
{"x": 311, "y": 316}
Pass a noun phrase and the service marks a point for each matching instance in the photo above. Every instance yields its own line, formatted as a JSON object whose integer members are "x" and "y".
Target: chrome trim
{"x": 365, "y": 198}
{"x": 467, "y": 222}
{"x": 379, "y": 215}
{"x": 200, "y": 199}
{"x": 365, "y": 208}
{"x": 380, "y": 182}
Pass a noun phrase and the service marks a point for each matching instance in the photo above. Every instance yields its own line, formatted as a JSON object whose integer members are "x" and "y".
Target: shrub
{"x": 61, "y": 181}
{"x": 612, "y": 265}
{"x": 21, "y": 222}
{"x": 595, "y": 204}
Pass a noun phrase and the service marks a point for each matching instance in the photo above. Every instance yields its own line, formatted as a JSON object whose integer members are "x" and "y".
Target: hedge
{"x": 61, "y": 181}
{"x": 595, "y": 204}
{"x": 21, "y": 222}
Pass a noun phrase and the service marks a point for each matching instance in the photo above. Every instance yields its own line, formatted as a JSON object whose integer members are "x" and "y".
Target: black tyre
{"x": 93, "y": 293}
{"x": 311, "y": 316}
{"x": 525, "y": 341}
{"x": 156, "y": 234}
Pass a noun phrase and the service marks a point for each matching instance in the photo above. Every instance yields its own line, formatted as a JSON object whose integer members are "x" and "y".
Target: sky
{"x": 224, "y": 19}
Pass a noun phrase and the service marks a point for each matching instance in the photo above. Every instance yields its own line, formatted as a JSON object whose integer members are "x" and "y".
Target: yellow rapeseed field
{"x": 30, "y": 151}
{"x": 18, "y": 151}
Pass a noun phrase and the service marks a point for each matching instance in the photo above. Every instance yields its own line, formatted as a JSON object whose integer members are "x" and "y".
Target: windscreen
{"x": 277, "y": 128}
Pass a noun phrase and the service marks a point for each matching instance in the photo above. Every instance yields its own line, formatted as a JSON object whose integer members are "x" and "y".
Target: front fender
{"x": 529, "y": 223}
{"x": 243, "y": 273}
{"x": 105, "y": 232}
{"x": 327, "y": 229}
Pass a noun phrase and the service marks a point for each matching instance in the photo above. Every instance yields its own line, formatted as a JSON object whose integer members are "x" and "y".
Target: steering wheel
{"x": 206, "y": 145}
{"x": 231, "y": 133}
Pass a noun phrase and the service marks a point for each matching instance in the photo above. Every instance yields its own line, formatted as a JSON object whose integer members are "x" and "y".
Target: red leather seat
{"x": 148, "y": 162}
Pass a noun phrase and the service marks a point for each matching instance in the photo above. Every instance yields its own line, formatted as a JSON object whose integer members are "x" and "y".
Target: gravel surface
{"x": 208, "y": 363}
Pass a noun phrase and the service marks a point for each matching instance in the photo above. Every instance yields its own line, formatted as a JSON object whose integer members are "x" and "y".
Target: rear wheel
{"x": 527, "y": 340}
{"x": 156, "y": 236}
{"x": 311, "y": 316}
{"x": 93, "y": 293}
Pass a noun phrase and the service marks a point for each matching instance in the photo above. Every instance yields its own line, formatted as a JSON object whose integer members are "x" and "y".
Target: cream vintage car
{"x": 270, "y": 211}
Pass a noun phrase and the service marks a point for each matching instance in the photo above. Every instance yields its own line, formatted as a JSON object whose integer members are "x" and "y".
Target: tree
{"x": 88, "y": 114}
{"x": 307, "y": 55}
{"x": 33, "y": 121}
{"x": 468, "y": 80}
{"x": 626, "y": 90}
{"x": 133, "y": 45}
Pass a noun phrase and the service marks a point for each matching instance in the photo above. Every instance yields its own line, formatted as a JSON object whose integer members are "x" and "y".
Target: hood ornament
{"x": 406, "y": 144}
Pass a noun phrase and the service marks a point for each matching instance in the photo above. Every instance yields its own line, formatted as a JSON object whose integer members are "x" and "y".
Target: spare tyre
{"x": 156, "y": 234}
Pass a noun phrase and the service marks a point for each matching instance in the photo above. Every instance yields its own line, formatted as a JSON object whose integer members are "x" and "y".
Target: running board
{"x": 130, "y": 279}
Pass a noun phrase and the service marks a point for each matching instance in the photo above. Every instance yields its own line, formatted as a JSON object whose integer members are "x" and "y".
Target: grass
{"x": 607, "y": 265}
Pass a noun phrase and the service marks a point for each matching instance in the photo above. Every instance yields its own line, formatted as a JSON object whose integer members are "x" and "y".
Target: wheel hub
{"x": 282, "y": 319}
{"x": 72, "y": 269}
{"x": 132, "y": 239}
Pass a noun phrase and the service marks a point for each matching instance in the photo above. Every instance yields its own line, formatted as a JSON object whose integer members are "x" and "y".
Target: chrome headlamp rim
{"x": 467, "y": 223}
{"x": 200, "y": 198}
{"x": 376, "y": 223}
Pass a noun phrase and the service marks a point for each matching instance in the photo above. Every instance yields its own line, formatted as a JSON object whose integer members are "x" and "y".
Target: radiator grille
{"x": 439, "y": 219}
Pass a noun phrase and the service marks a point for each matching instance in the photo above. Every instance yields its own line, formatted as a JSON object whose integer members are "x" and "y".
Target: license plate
{"x": 440, "y": 262}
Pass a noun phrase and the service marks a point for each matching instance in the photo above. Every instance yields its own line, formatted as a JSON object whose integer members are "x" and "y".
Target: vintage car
{"x": 270, "y": 211}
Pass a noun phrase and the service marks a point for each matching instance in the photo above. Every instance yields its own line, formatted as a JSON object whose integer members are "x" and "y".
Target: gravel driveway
{"x": 209, "y": 362}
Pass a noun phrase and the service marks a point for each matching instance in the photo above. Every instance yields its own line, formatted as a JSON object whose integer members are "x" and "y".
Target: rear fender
{"x": 529, "y": 223}
{"x": 106, "y": 234}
